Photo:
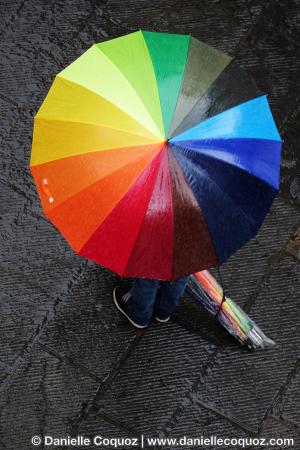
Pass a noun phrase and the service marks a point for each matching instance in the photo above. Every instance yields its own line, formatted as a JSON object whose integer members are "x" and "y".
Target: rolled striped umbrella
{"x": 155, "y": 155}
{"x": 206, "y": 290}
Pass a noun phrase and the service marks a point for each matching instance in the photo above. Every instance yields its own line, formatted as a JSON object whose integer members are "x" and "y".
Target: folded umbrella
{"x": 206, "y": 290}
{"x": 155, "y": 155}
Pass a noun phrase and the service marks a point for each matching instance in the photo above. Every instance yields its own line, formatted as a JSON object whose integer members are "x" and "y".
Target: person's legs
{"x": 141, "y": 303}
{"x": 168, "y": 297}
{"x": 138, "y": 304}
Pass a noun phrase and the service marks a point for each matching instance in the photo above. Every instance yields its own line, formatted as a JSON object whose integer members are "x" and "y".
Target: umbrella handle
{"x": 223, "y": 294}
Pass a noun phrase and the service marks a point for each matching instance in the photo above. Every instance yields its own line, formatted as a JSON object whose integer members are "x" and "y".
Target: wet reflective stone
{"x": 101, "y": 426}
{"x": 45, "y": 269}
{"x": 290, "y": 165}
{"x": 41, "y": 31}
{"x": 293, "y": 246}
{"x": 274, "y": 428}
{"x": 286, "y": 406}
{"x": 158, "y": 374}
{"x": 271, "y": 57}
{"x": 10, "y": 10}
{"x": 42, "y": 396}
{"x": 242, "y": 384}
{"x": 213, "y": 23}
{"x": 87, "y": 329}
{"x": 197, "y": 421}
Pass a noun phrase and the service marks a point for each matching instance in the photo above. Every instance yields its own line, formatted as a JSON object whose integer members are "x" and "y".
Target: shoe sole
{"x": 160, "y": 320}
{"x": 123, "y": 312}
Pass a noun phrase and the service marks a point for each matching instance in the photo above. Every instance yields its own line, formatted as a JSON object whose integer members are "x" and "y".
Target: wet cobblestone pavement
{"x": 69, "y": 363}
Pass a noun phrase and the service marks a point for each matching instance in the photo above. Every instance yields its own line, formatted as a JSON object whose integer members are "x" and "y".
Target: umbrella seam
{"x": 228, "y": 162}
{"x": 166, "y": 132}
{"x": 139, "y": 229}
{"x": 107, "y": 100}
{"x": 181, "y": 84}
{"x": 203, "y": 93}
{"x": 253, "y": 229}
{"x": 213, "y": 117}
{"x": 159, "y": 99}
{"x": 154, "y": 144}
{"x": 116, "y": 204}
{"x": 97, "y": 125}
{"x": 199, "y": 206}
{"x": 133, "y": 90}
{"x": 109, "y": 174}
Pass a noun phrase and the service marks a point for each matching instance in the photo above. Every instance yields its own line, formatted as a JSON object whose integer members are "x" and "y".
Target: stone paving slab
{"x": 219, "y": 25}
{"x": 290, "y": 165}
{"x": 20, "y": 319}
{"x": 286, "y": 406}
{"x": 44, "y": 269}
{"x": 276, "y": 429}
{"x": 43, "y": 254}
{"x": 106, "y": 427}
{"x": 38, "y": 35}
{"x": 11, "y": 207}
{"x": 201, "y": 422}
{"x": 9, "y": 11}
{"x": 160, "y": 370}
{"x": 293, "y": 246}
{"x": 37, "y": 263}
{"x": 270, "y": 55}
{"x": 198, "y": 421}
{"x": 86, "y": 328}
{"x": 283, "y": 17}
{"x": 15, "y": 176}
{"x": 191, "y": 315}
{"x": 42, "y": 396}
{"x": 4, "y": 371}
{"x": 25, "y": 307}
{"x": 242, "y": 385}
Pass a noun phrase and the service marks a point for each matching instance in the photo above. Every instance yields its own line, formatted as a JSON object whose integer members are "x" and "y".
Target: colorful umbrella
{"x": 155, "y": 155}
{"x": 206, "y": 290}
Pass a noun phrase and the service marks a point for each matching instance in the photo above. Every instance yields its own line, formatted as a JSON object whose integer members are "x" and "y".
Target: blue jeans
{"x": 156, "y": 297}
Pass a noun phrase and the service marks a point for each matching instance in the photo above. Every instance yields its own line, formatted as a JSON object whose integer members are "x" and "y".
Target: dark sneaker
{"x": 120, "y": 300}
{"x": 162, "y": 319}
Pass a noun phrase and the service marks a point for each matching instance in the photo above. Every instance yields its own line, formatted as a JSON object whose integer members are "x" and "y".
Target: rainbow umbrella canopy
{"x": 155, "y": 155}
